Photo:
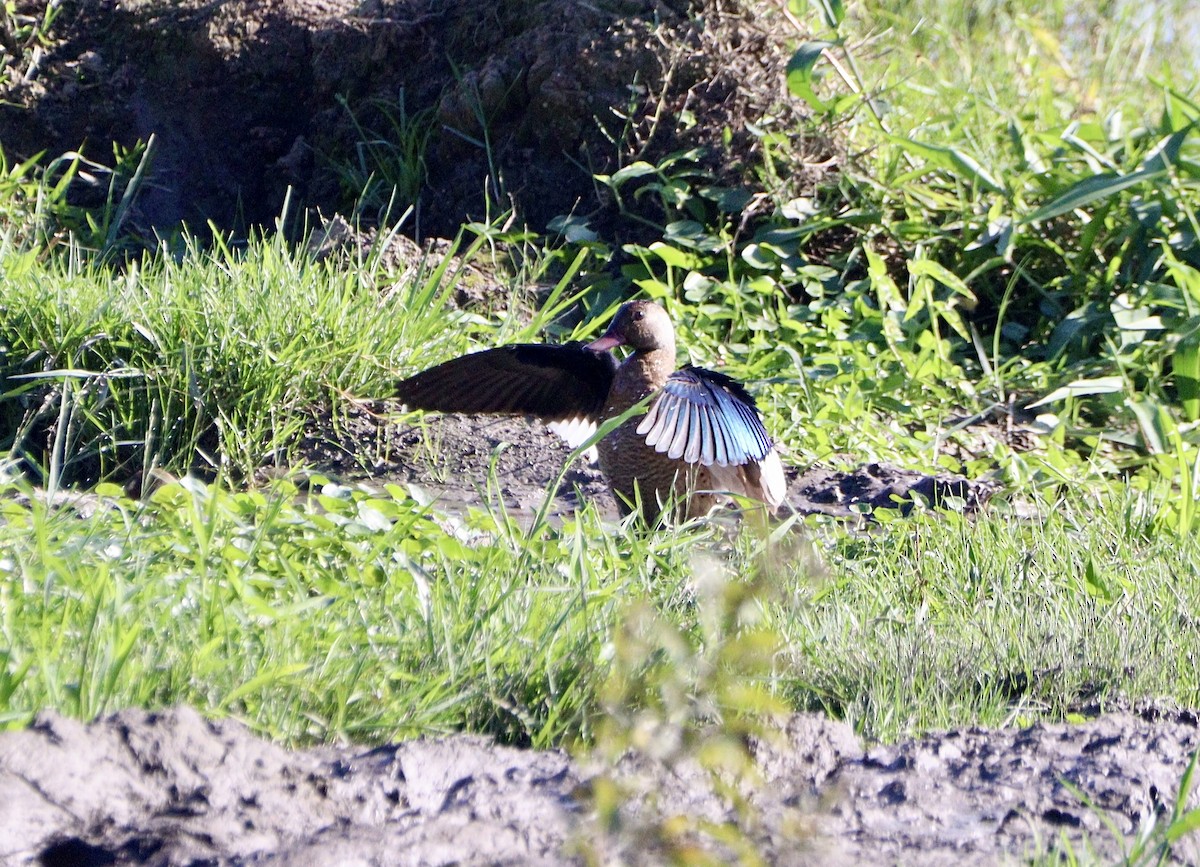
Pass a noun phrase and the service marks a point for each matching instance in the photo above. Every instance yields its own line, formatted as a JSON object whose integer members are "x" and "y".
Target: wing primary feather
{"x": 503, "y": 395}
{"x": 695, "y": 439}
{"x": 708, "y": 447}
{"x": 649, "y": 419}
{"x": 732, "y": 424}
{"x": 745, "y": 434}
{"x": 741, "y": 422}
{"x": 758, "y": 441}
{"x": 548, "y": 381}
{"x": 721, "y": 453}
{"x": 659, "y": 436}
{"x": 681, "y": 433}
{"x": 704, "y": 416}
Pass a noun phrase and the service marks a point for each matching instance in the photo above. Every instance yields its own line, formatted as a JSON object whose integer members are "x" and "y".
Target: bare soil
{"x": 463, "y": 462}
{"x": 172, "y": 788}
{"x": 522, "y": 100}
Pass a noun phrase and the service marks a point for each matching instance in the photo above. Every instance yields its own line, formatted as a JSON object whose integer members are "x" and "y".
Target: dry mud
{"x": 173, "y": 788}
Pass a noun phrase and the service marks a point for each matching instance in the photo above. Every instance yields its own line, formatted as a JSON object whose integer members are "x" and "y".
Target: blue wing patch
{"x": 705, "y": 417}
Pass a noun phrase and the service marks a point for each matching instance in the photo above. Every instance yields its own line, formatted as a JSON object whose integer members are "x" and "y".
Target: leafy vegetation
{"x": 999, "y": 241}
{"x": 346, "y": 611}
{"x": 1081, "y": 263}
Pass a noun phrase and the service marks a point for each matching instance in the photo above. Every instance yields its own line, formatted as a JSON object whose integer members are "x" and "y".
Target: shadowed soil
{"x": 468, "y": 108}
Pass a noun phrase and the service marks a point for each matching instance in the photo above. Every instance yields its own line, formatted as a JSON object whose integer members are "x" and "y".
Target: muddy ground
{"x": 464, "y": 462}
{"x": 172, "y": 788}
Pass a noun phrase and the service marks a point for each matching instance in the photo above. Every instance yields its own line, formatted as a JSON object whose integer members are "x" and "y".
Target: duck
{"x": 701, "y": 438}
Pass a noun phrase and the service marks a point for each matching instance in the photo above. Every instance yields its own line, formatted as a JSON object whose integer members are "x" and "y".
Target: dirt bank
{"x": 469, "y": 109}
{"x": 173, "y": 788}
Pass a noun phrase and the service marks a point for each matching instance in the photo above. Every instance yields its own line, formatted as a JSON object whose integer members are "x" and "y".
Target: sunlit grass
{"x": 214, "y": 362}
{"x": 338, "y": 613}
{"x": 966, "y": 69}
{"x": 936, "y": 619}
{"x": 368, "y": 616}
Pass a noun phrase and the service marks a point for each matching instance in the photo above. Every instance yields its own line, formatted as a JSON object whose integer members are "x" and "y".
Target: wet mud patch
{"x": 465, "y": 461}
{"x": 172, "y": 788}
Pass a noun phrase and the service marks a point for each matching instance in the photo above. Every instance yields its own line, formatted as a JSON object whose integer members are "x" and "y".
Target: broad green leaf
{"x": 697, "y": 286}
{"x": 955, "y": 321}
{"x": 832, "y": 11}
{"x": 1081, "y": 388}
{"x": 951, "y": 160}
{"x": 1179, "y": 111}
{"x": 1153, "y": 422}
{"x": 800, "y": 73}
{"x": 731, "y": 200}
{"x": 675, "y": 257}
{"x": 575, "y": 229}
{"x": 373, "y": 518}
{"x": 1094, "y": 583}
{"x": 891, "y": 301}
{"x": 1166, "y": 153}
{"x": 1186, "y": 364}
{"x": 1089, "y": 190}
{"x": 690, "y": 233}
{"x": 890, "y": 297}
{"x": 1184, "y": 825}
{"x": 629, "y": 172}
{"x": 758, "y": 256}
{"x": 929, "y": 268}
{"x": 1138, "y": 320}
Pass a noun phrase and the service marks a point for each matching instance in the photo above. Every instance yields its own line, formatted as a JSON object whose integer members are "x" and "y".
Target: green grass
{"x": 346, "y": 613}
{"x": 338, "y": 613}
{"x": 940, "y": 619}
{"x": 1010, "y": 206}
{"x": 214, "y": 362}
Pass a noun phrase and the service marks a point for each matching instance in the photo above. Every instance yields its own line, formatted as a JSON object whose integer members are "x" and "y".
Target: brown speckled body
{"x": 635, "y": 470}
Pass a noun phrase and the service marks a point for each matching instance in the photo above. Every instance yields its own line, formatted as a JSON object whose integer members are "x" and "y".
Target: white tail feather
{"x": 759, "y": 480}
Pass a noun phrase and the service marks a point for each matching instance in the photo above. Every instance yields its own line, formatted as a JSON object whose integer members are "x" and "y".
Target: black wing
{"x": 705, "y": 417}
{"x": 552, "y": 382}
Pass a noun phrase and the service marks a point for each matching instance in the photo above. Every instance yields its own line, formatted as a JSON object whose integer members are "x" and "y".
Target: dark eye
{"x": 638, "y": 315}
